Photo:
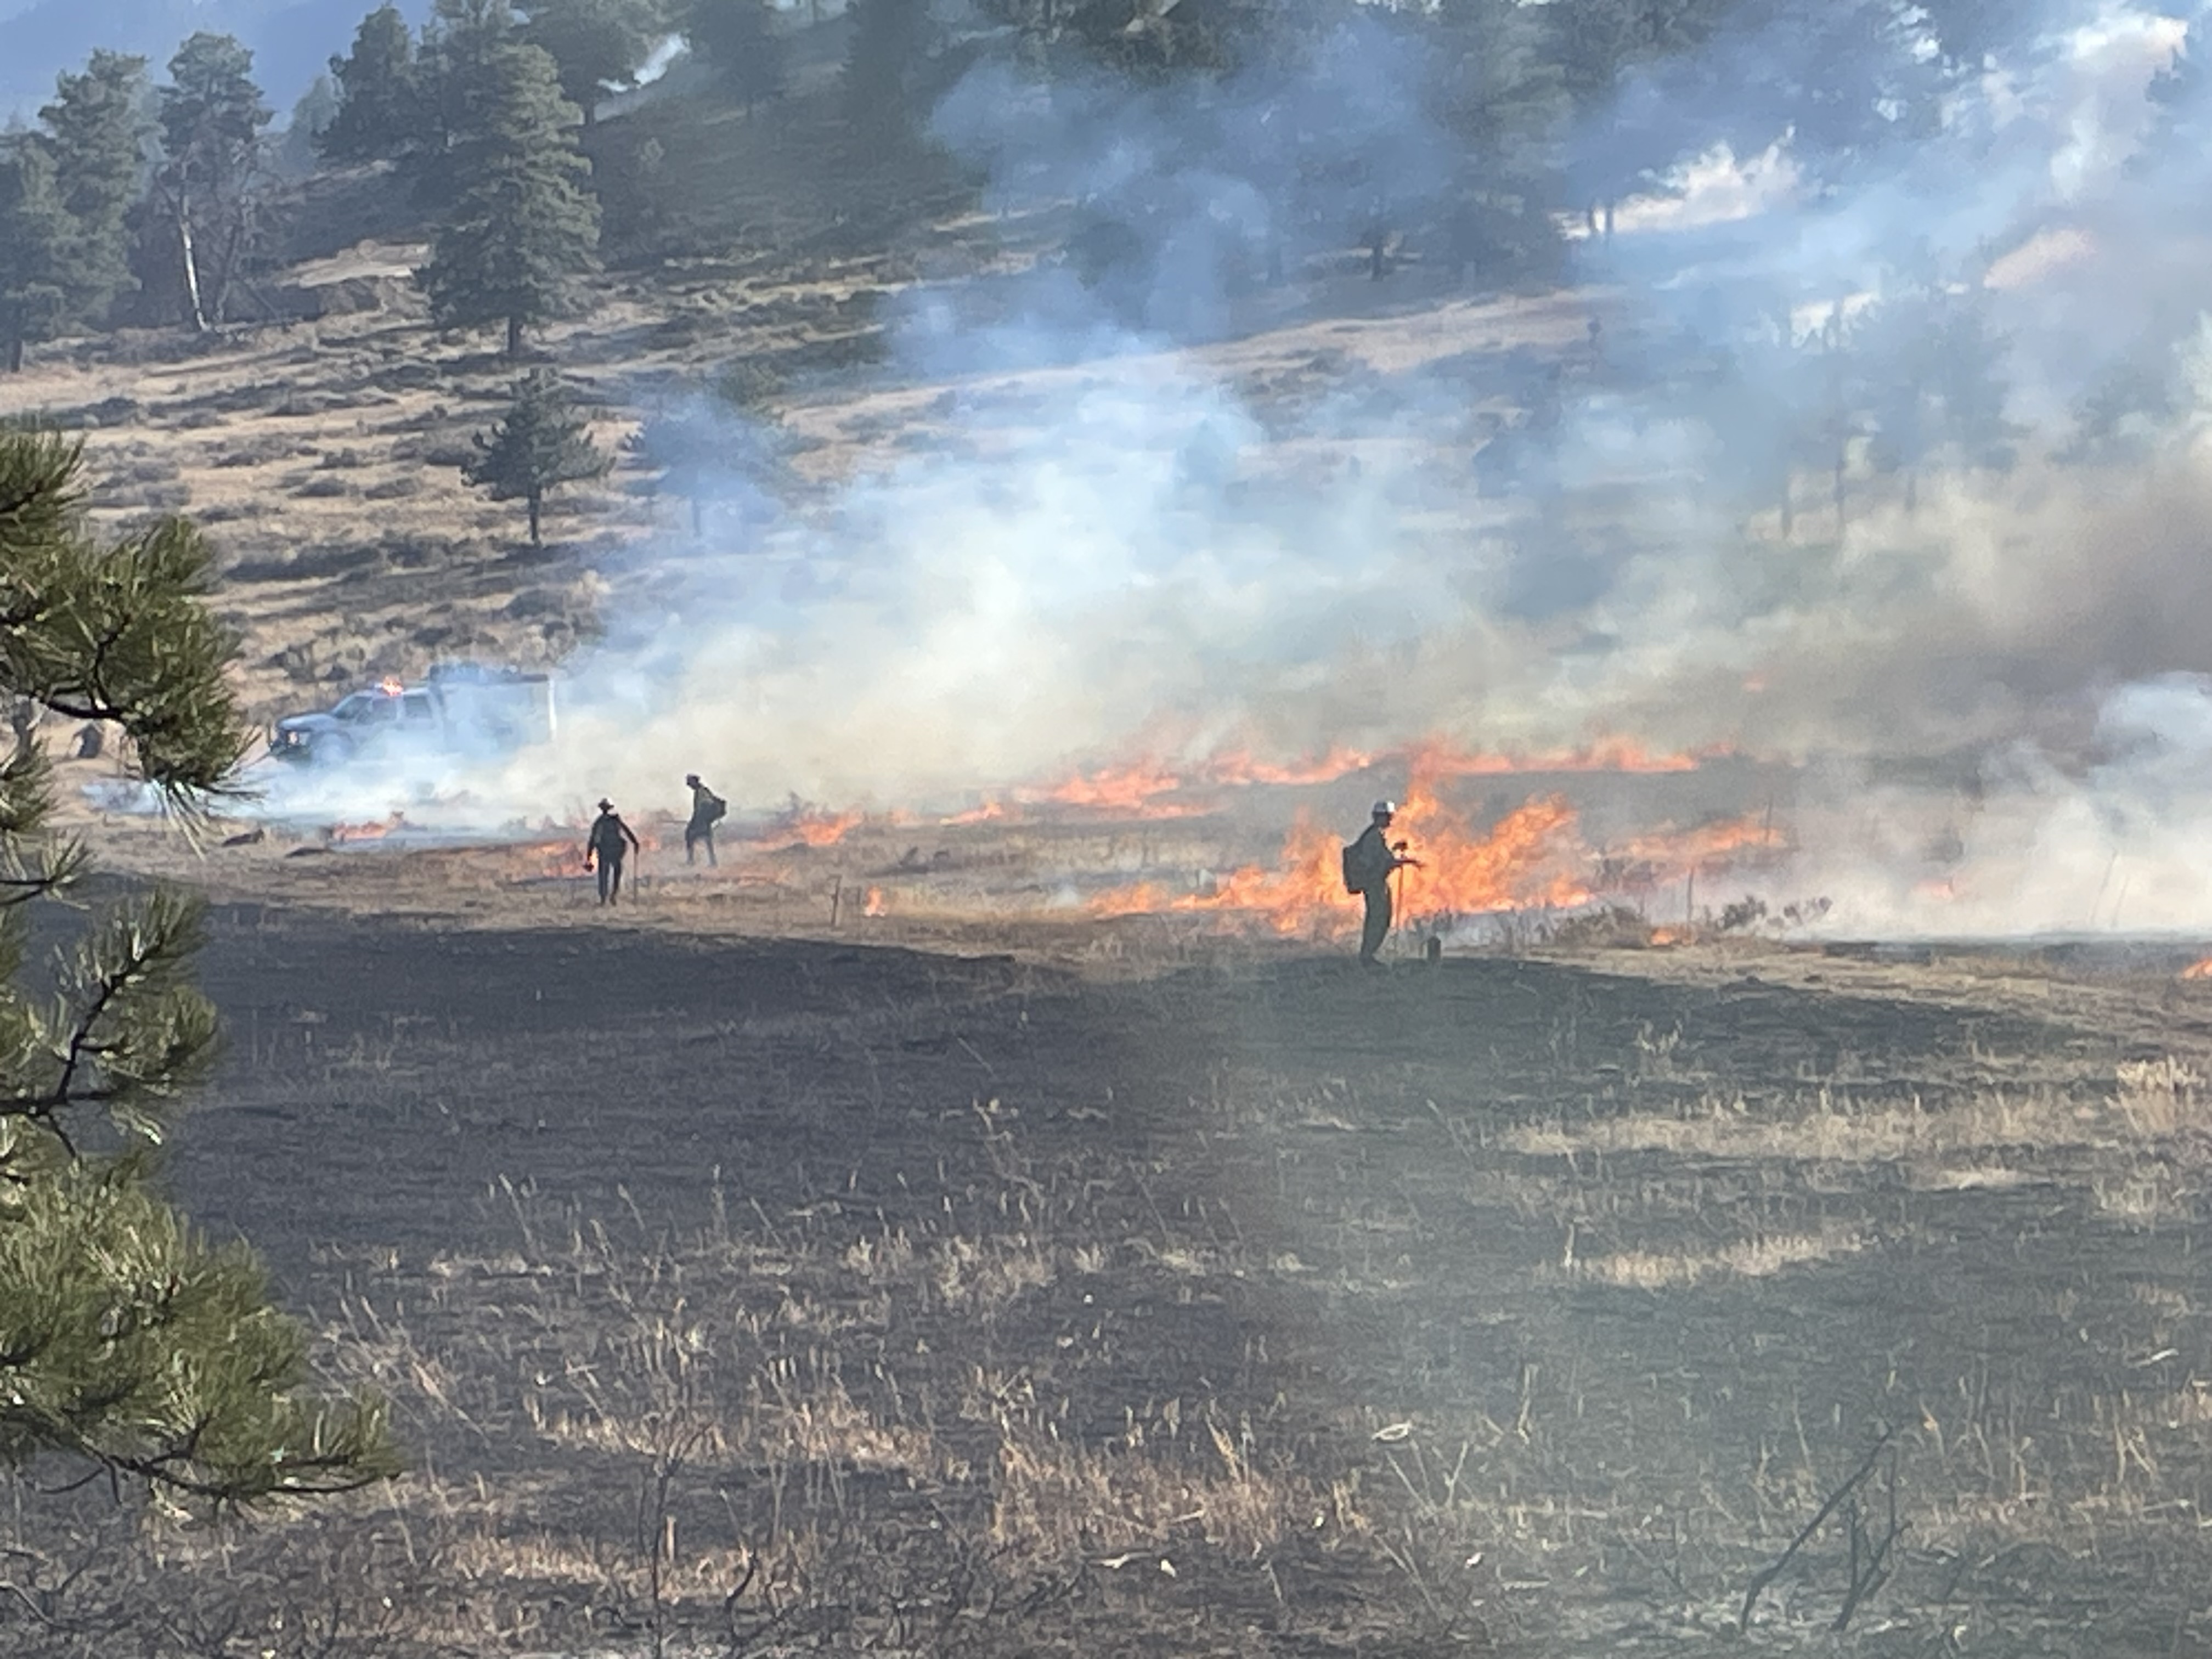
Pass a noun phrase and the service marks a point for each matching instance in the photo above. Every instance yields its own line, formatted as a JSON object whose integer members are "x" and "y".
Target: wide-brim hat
{"x": 606, "y": 806}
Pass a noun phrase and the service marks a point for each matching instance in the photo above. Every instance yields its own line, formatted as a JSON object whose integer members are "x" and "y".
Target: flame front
{"x": 371, "y": 831}
{"x": 812, "y": 828}
{"x": 1435, "y": 758}
{"x": 1238, "y": 769}
{"x": 1530, "y": 858}
{"x": 1114, "y": 789}
{"x": 1533, "y": 858}
{"x": 2198, "y": 969}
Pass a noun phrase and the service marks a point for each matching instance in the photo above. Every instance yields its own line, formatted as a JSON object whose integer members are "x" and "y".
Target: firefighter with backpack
{"x": 707, "y": 809}
{"x": 1369, "y": 864}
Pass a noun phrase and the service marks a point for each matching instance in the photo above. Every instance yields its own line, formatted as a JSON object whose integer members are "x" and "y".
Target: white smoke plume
{"x": 1969, "y": 357}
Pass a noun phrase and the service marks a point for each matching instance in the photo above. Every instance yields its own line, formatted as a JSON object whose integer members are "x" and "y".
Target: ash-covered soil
{"x": 760, "y": 1294}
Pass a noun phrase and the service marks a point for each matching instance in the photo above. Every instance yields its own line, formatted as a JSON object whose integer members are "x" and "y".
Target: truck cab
{"x": 463, "y": 705}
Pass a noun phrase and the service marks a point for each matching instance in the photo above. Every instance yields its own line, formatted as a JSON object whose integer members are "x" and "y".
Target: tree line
{"x": 161, "y": 194}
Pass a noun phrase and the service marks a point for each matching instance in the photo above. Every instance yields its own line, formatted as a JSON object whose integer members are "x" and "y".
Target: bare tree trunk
{"x": 514, "y": 338}
{"x": 195, "y": 317}
{"x": 16, "y": 352}
{"x": 537, "y": 498}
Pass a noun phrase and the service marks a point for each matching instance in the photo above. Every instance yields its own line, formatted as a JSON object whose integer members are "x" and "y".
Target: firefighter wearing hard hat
{"x": 1369, "y": 864}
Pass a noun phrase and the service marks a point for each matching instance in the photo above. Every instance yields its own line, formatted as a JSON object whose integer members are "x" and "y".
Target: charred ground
{"x": 974, "y": 1302}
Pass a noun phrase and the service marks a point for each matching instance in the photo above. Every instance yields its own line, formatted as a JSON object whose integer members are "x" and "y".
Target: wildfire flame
{"x": 1438, "y": 759}
{"x": 1530, "y": 857}
{"x": 1238, "y": 769}
{"x": 2198, "y": 969}
{"x": 988, "y": 813}
{"x": 1533, "y": 857}
{"x": 875, "y": 906}
{"x": 559, "y": 858}
{"x": 813, "y": 828}
{"x": 1116, "y": 788}
{"x": 371, "y": 831}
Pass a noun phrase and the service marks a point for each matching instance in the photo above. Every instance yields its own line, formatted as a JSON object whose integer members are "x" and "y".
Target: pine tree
{"x": 211, "y": 118}
{"x": 301, "y": 148}
{"x": 35, "y": 243}
{"x": 732, "y": 37}
{"x": 92, "y": 131}
{"x": 459, "y": 66}
{"x": 696, "y": 455}
{"x": 599, "y": 46}
{"x": 522, "y": 226}
{"x": 380, "y": 94}
{"x": 541, "y": 443}
{"x": 126, "y": 1339}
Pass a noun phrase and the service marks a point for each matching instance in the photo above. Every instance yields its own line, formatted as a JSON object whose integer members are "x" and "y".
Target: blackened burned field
{"x": 761, "y": 1297}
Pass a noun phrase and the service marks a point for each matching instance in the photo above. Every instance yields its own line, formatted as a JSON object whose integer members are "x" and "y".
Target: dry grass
{"x": 1755, "y": 1258}
{"x": 2153, "y": 1101}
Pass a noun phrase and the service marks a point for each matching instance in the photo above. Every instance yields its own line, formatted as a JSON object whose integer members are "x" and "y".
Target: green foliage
{"x": 463, "y": 46}
{"x": 380, "y": 98}
{"x": 522, "y": 226}
{"x": 542, "y": 442}
{"x": 35, "y": 235}
{"x": 733, "y": 37}
{"x": 125, "y": 1340}
{"x": 211, "y": 112}
{"x": 92, "y": 131}
{"x": 211, "y": 117}
{"x": 316, "y": 108}
{"x": 599, "y": 46}
{"x": 1593, "y": 41}
{"x": 688, "y": 450}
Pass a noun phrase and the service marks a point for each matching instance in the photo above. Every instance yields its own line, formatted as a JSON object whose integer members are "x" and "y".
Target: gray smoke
{"x": 1889, "y": 451}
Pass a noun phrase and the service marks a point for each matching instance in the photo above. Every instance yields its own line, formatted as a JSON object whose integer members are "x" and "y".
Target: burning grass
{"x": 1532, "y": 858}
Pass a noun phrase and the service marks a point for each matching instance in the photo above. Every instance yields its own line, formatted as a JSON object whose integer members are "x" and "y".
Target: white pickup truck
{"x": 458, "y": 707}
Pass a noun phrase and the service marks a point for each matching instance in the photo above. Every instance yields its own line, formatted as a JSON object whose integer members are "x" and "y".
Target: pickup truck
{"x": 458, "y": 707}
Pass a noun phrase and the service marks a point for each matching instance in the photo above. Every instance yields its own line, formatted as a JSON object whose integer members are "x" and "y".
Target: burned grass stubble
{"x": 763, "y": 1296}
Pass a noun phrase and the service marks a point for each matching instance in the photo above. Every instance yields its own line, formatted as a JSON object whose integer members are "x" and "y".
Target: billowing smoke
{"x": 1884, "y": 457}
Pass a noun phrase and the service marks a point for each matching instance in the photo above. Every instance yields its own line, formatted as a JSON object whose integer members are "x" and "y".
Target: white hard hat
{"x": 1385, "y": 809}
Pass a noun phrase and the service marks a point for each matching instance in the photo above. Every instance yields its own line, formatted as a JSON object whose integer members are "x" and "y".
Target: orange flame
{"x": 559, "y": 858}
{"x": 988, "y": 813}
{"x": 813, "y": 828}
{"x": 875, "y": 906}
{"x": 2198, "y": 969}
{"x": 1437, "y": 758}
{"x": 1239, "y": 769}
{"x": 371, "y": 831}
{"x": 1677, "y": 850}
{"x": 1115, "y": 789}
{"x": 1531, "y": 857}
